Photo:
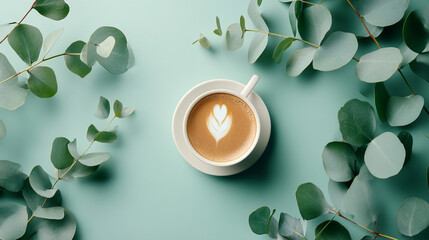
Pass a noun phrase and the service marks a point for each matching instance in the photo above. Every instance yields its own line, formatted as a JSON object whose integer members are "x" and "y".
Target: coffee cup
{"x": 221, "y": 127}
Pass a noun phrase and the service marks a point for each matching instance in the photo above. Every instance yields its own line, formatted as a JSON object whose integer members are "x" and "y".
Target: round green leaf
{"x": 281, "y": 47}
{"x": 204, "y": 42}
{"x": 407, "y": 55}
{"x": 91, "y": 132}
{"x": 383, "y": 13}
{"x": 72, "y": 147}
{"x": 27, "y": 42}
{"x": 260, "y": 40}
{"x": 299, "y": 60}
{"x": 73, "y": 63}
{"x": 104, "y": 136}
{"x": 109, "y": 46}
{"x": 2, "y": 129}
{"x": 233, "y": 38}
{"x": 11, "y": 95}
{"x": 11, "y": 178}
{"x": 420, "y": 66}
{"x": 381, "y": 99}
{"x": 385, "y": 155}
{"x": 42, "y": 82}
{"x": 311, "y": 201}
{"x": 337, "y": 192}
{"x": 338, "y": 161}
{"x": 60, "y": 155}
{"x": 402, "y": 111}
{"x": 357, "y": 122}
{"x": 289, "y": 226}
{"x": 94, "y": 159}
{"x": 259, "y": 220}
{"x": 117, "y": 107}
{"x": 45, "y": 229}
{"x": 13, "y": 220}
{"x": 103, "y": 109}
{"x": 39, "y": 181}
{"x": 87, "y": 57}
{"x": 78, "y": 171}
{"x": 416, "y": 30}
{"x": 407, "y": 140}
{"x": 412, "y": 216}
{"x": 314, "y": 22}
{"x": 53, "y": 9}
{"x": 35, "y": 201}
{"x": 336, "y": 51}
{"x": 50, "y": 41}
{"x": 379, "y": 65}
{"x": 332, "y": 231}
{"x": 56, "y": 213}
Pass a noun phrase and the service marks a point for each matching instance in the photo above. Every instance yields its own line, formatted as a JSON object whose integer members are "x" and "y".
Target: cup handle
{"x": 250, "y": 85}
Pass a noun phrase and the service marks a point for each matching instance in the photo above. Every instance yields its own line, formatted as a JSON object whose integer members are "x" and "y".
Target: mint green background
{"x": 146, "y": 190}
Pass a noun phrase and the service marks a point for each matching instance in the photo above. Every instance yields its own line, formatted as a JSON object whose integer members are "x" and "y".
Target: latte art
{"x": 219, "y": 122}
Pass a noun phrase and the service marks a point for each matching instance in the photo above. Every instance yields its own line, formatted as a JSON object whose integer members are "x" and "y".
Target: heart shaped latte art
{"x": 219, "y": 122}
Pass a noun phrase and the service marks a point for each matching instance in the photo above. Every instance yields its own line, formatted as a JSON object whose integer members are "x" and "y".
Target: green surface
{"x": 146, "y": 190}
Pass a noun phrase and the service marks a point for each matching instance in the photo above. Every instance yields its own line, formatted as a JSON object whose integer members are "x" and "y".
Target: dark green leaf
{"x": 13, "y": 220}
{"x": 39, "y": 181}
{"x": 259, "y": 220}
{"x": 412, "y": 216}
{"x": 60, "y": 155}
{"x": 73, "y": 63}
{"x": 416, "y": 30}
{"x": 299, "y": 61}
{"x": 290, "y": 226}
{"x": 234, "y": 41}
{"x": 259, "y": 2}
{"x": 420, "y": 66}
{"x": 281, "y": 47}
{"x": 383, "y": 13}
{"x": 35, "y": 201}
{"x": 45, "y": 229}
{"x": 103, "y": 109}
{"x": 314, "y": 22}
{"x": 218, "y": 30}
{"x": 103, "y": 136}
{"x": 53, "y": 9}
{"x": 91, "y": 133}
{"x": 381, "y": 99}
{"x": 379, "y": 65}
{"x": 311, "y": 201}
{"x": 407, "y": 140}
{"x": 402, "y": 111}
{"x": 367, "y": 238}
{"x": 385, "y": 155}
{"x": 260, "y": 40}
{"x": 357, "y": 122}
{"x": 117, "y": 107}
{"x": 338, "y": 160}
{"x": 42, "y": 82}
{"x": 242, "y": 25}
{"x": 332, "y": 231}
{"x": 94, "y": 159}
{"x": 11, "y": 178}
{"x": 27, "y": 42}
{"x": 427, "y": 176}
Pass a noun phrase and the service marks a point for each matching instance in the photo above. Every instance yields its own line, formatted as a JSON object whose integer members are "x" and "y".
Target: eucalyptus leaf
{"x": 280, "y": 48}
{"x": 332, "y": 230}
{"x": 45, "y": 229}
{"x": 218, "y": 30}
{"x": 72, "y": 147}
{"x": 295, "y": 9}
{"x": 56, "y": 213}
{"x": 383, "y": 13}
{"x": 367, "y": 238}
{"x": 427, "y": 176}
{"x": 259, "y": 220}
{"x": 290, "y": 226}
{"x": 204, "y": 42}
{"x": 11, "y": 178}
{"x": 242, "y": 25}
{"x": 311, "y": 201}
{"x": 113, "y": 55}
{"x": 337, "y": 192}
{"x": 379, "y": 65}
{"x": 120, "y": 111}
{"x": 407, "y": 140}
{"x": 402, "y": 111}
{"x": 233, "y": 38}
{"x": 53, "y": 9}
{"x": 103, "y": 109}
{"x": 103, "y": 136}
{"x": 94, "y": 159}
{"x": 385, "y": 155}
{"x": 381, "y": 99}
{"x": 74, "y": 63}
{"x": 78, "y": 171}
{"x": 13, "y": 220}
{"x": 299, "y": 61}
{"x": 260, "y": 40}
{"x": 43, "y": 82}
{"x": 39, "y": 181}
{"x": 338, "y": 160}
{"x": 357, "y": 122}
{"x": 60, "y": 155}
{"x": 87, "y": 57}
{"x": 420, "y": 65}
{"x": 11, "y": 95}
{"x": 35, "y": 201}
{"x": 416, "y": 30}
{"x": 412, "y": 216}
{"x": 50, "y": 41}
{"x": 2, "y": 129}
{"x": 407, "y": 55}
{"x": 27, "y": 41}
{"x": 336, "y": 51}
{"x": 314, "y": 22}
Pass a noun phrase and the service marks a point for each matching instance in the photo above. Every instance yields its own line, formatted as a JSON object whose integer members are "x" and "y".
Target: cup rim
{"x": 237, "y": 160}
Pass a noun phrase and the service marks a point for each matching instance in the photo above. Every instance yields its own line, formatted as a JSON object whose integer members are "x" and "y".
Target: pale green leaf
{"x": 407, "y": 55}
{"x": 39, "y": 181}
{"x": 35, "y": 201}
{"x": 56, "y": 213}
{"x": 338, "y": 160}
{"x": 204, "y": 42}
{"x": 2, "y": 129}
{"x": 11, "y": 95}
{"x": 294, "y": 12}
{"x": 314, "y": 22}
{"x": 299, "y": 60}
{"x": 337, "y": 192}
{"x": 103, "y": 109}
{"x": 94, "y": 159}
{"x": 50, "y": 41}
{"x": 46, "y": 229}
{"x": 402, "y": 111}
{"x": 78, "y": 171}
{"x": 381, "y": 12}
{"x": 379, "y": 65}
{"x": 11, "y": 178}
{"x": 13, "y": 220}
{"x": 412, "y": 216}
{"x": 233, "y": 38}
{"x": 420, "y": 66}
{"x": 260, "y": 40}
{"x": 290, "y": 226}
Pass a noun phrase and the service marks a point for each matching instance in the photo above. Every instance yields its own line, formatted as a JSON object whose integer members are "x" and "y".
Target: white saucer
{"x": 179, "y": 137}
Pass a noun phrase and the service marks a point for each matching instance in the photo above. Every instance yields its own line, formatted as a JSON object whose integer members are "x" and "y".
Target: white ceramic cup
{"x": 243, "y": 95}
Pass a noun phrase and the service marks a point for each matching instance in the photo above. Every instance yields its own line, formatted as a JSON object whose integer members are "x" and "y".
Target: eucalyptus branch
{"x": 326, "y": 225}
{"x": 278, "y": 35}
{"x": 20, "y": 21}
{"x": 37, "y": 63}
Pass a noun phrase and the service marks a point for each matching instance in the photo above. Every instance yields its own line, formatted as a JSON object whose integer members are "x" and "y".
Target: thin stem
{"x": 326, "y": 225}
{"x": 299, "y": 234}
{"x": 20, "y": 21}
{"x": 74, "y": 163}
{"x": 309, "y": 2}
{"x": 37, "y": 63}
{"x": 282, "y": 36}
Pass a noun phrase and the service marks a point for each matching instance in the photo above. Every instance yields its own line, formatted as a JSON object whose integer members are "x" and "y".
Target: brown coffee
{"x": 221, "y": 127}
